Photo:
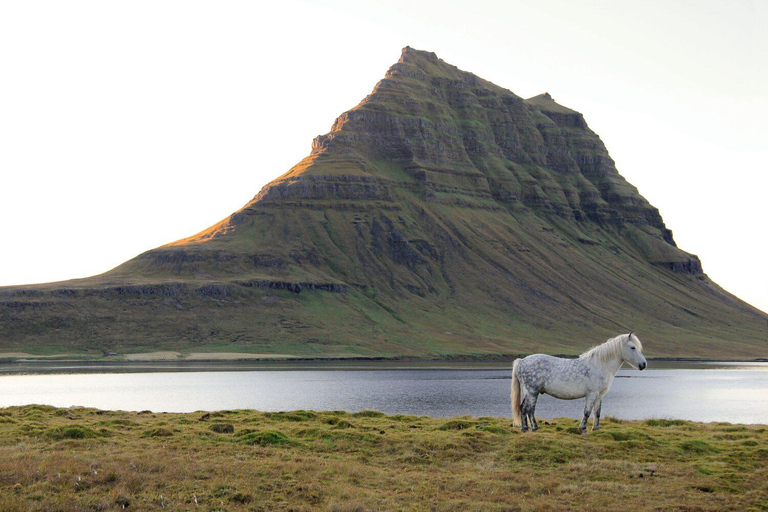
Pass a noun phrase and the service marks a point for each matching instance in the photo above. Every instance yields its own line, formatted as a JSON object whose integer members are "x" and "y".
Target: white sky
{"x": 127, "y": 125}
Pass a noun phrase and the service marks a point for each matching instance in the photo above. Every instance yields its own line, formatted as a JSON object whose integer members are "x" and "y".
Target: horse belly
{"x": 565, "y": 389}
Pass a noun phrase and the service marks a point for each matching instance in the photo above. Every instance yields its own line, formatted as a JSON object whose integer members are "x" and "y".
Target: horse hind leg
{"x": 524, "y": 410}
{"x": 532, "y": 399}
{"x": 528, "y": 409}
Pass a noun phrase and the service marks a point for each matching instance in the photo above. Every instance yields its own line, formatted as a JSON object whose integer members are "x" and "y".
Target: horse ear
{"x": 631, "y": 333}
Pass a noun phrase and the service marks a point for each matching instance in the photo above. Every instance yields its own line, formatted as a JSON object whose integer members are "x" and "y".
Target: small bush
{"x": 343, "y": 424}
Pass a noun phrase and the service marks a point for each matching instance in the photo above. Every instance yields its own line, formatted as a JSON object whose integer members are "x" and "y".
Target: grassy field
{"x": 86, "y": 459}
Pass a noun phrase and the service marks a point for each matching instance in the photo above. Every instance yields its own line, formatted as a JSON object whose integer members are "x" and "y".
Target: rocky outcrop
{"x": 295, "y": 287}
{"x": 325, "y": 188}
{"x": 690, "y": 267}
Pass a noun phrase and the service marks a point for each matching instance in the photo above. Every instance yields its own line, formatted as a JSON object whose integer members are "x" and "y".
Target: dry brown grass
{"x": 85, "y": 459}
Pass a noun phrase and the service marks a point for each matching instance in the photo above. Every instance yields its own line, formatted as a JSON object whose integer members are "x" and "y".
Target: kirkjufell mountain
{"x": 443, "y": 216}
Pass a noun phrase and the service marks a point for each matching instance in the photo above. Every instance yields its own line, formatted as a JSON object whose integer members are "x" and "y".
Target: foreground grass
{"x": 86, "y": 459}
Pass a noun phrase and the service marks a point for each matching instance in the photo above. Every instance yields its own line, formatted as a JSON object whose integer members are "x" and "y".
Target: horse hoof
{"x": 524, "y": 429}
{"x": 582, "y": 431}
{"x": 594, "y": 429}
{"x": 534, "y": 429}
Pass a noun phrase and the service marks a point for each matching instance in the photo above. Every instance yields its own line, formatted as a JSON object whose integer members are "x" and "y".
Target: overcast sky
{"x": 127, "y": 125}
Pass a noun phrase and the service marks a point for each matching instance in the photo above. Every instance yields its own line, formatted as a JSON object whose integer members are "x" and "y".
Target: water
{"x": 731, "y": 392}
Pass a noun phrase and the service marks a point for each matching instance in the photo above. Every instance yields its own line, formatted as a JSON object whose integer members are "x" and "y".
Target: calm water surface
{"x": 732, "y": 392}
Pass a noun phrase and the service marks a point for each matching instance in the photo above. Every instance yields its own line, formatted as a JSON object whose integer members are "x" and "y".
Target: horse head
{"x": 632, "y": 352}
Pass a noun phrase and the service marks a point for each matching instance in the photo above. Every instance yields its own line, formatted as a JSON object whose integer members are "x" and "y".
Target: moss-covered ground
{"x": 86, "y": 459}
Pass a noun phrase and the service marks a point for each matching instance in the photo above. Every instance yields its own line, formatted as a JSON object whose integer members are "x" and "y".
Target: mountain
{"x": 443, "y": 216}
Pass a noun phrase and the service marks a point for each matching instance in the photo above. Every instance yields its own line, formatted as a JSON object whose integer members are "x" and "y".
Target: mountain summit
{"x": 442, "y": 216}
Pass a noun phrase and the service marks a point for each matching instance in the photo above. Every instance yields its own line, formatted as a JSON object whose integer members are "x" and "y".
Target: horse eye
{"x": 633, "y": 348}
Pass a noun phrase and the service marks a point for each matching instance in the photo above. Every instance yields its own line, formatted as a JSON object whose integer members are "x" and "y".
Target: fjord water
{"x": 730, "y": 392}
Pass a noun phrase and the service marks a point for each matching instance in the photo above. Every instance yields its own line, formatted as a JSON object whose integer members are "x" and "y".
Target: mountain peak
{"x": 442, "y": 215}
{"x": 412, "y": 53}
{"x": 546, "y": 103}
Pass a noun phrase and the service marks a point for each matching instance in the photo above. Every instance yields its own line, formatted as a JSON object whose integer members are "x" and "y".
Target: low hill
{"x": 443, "y": 216}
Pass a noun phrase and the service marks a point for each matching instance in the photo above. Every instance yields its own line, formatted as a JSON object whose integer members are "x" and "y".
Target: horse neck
{"x": 613, "y": 364}
{"x": 610, "y": 365}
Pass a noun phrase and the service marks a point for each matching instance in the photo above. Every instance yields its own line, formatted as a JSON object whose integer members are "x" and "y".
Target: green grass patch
{"x": 71, "y": 432}
{"x": 291, "y": 416}
{"x": 343, "y": 424}
{"x": 494, "y": 429}
{"x": 665, "y": 423}
{"x": 697, "y": 446}
{"x": 157, "y": 432}
{"x": 368, "y": 414}
{"x": 267, "y": 438}
{"x": 456, "y": 425}
{"x": 338, "y": 461}
{"x": 223, "y": 428}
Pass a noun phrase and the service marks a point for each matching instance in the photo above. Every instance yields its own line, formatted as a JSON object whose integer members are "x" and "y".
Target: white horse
{"x": 590, "y": 376}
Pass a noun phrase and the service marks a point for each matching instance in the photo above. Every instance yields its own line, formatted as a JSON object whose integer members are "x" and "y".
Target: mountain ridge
{"x": 443, "y": 215}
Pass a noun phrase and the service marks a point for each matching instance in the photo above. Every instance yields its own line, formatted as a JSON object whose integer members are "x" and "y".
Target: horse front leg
{"x": 588, "y": 405}
{"x": 598, "y": 406}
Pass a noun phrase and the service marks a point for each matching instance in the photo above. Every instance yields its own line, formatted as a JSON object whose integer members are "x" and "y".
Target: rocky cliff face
{"x": 443, "y": 215}
{"x": 445, "y": 136}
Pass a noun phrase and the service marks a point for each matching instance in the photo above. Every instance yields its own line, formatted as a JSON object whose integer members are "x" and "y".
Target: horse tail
{"x": 517, "y": 413}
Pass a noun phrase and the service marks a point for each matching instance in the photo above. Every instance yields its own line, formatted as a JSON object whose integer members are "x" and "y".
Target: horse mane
{"x": 610, "y": 348}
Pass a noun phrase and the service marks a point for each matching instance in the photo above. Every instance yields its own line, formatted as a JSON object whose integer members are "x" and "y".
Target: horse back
{"x": 556, "y": 376}
{"x": 542, "y": 366}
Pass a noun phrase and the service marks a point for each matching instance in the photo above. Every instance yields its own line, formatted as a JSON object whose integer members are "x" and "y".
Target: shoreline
{"x": 68, "y": 366}
{"x": 236, "y": 357}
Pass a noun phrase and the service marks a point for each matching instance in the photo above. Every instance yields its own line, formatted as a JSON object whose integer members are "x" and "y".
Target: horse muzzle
{"x": 642, "y": 366}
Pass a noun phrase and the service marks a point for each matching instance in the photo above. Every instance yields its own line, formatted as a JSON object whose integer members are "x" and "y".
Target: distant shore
{"x": 168, "y": 356}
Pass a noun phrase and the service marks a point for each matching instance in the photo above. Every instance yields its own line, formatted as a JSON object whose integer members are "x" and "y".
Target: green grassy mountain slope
{"x": 442, "y": 216}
